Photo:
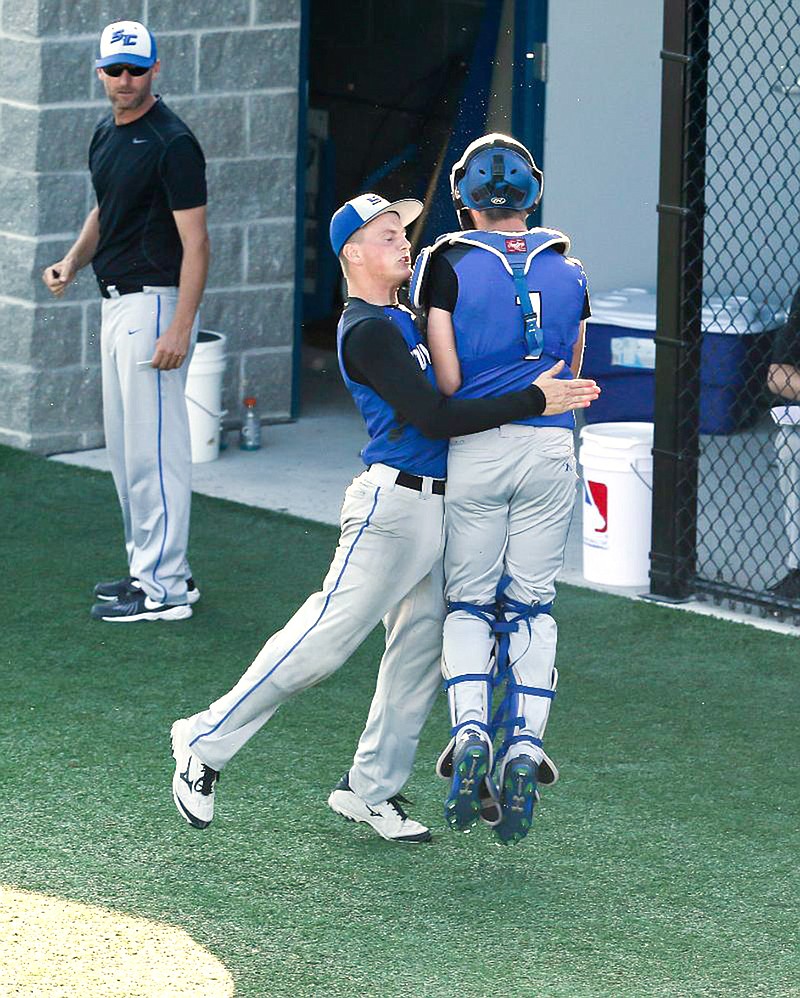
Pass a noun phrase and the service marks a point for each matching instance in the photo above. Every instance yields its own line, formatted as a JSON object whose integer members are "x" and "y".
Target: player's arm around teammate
{"x": 560, "y": 395}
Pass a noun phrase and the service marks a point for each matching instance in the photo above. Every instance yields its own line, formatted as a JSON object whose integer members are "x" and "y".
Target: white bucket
{"x": 204, "y": 395}
{"x": 617, "y": 464}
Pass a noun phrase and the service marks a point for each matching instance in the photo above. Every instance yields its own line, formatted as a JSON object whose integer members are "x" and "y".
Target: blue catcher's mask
{"x": 498, "y": 178}
{"x": 495, "y": 171}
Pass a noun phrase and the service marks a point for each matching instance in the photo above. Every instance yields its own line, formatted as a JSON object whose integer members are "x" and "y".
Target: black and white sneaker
{"x": 193, "y": 782}
{"x": 130, "y": 586}
{"x": 388, "y": 818}
{"x": 139, "y": 606}
{"x": 117, "y": 589}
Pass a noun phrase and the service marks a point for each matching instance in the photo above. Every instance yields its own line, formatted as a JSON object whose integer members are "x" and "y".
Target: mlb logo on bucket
{"x": 516, "y": 246}
{"x": 595, "y": 514}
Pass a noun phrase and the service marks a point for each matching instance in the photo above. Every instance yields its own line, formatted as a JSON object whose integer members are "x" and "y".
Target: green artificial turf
{"x": 664, "y": 863}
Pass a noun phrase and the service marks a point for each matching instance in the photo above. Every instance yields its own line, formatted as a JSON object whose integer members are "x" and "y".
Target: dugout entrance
{"x": 395, "y": 91}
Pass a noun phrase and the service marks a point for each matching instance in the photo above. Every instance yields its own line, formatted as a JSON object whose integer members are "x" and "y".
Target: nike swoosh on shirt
{"x": 137, "y": 142}
{"x": 132, "y": 331}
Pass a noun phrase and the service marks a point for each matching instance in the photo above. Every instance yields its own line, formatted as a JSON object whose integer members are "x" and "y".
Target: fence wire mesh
{"x": 736, "y": 415}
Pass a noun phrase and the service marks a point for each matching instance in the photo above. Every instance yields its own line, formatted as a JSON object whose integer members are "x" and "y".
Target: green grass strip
{"x": 663, "y": 864}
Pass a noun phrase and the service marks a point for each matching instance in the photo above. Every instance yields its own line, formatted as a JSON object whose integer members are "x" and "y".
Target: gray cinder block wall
{"x": 230, "y": 69}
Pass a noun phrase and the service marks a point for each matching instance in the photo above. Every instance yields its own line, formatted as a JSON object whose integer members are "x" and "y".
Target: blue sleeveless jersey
{"x": 392, "y": 441}
{"x": 488, "y": 320}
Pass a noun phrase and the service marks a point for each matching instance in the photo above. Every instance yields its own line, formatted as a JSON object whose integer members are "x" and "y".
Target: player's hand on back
{"x": 561, "y": 394}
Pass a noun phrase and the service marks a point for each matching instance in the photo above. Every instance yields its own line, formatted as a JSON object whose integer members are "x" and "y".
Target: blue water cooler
{"x": 621, "y": 356}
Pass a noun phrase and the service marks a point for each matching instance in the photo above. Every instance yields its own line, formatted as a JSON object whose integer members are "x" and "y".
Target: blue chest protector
{"x": 519, "y": 307}
{"x": 391, "y": 440}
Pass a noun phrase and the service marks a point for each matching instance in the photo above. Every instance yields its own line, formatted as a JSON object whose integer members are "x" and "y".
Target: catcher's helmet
{"x": 495, "y": 171}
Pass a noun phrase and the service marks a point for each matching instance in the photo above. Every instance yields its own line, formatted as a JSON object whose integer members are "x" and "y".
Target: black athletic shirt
{"x": 141, "y": 173}
{"x": 442, "y": 283}
{"x": 375, "y": 354}
{"x": 786, "y": 348}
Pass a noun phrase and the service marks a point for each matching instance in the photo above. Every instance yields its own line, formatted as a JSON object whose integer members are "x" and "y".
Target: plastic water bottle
{"x": 250, "y": 438}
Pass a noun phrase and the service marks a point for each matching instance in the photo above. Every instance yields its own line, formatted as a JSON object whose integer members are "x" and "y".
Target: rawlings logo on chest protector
{"x": 516, "y": 246}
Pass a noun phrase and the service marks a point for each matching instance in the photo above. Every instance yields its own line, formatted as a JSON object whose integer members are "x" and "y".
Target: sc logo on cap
{"x": 120, "y": 36}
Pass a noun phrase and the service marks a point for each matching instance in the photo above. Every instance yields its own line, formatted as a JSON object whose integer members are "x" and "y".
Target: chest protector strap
{"x": 534, "y": 341}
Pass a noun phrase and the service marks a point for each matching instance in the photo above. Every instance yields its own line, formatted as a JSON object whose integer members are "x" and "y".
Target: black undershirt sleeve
{"x": 376, "y": 355}
{"x": 442, "y": 284}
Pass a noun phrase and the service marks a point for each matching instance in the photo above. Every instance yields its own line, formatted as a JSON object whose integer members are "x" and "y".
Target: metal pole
{"x": 299, "y": 204}
{"x": 680, "y": 297}
{"x": 530, "y": 79}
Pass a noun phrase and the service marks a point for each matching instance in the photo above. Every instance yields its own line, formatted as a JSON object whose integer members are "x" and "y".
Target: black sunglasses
{"x": 119, "y": 68}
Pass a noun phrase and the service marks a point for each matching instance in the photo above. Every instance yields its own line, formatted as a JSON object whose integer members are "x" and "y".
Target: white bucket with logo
{"x": 204, "y": 395}
{"x": 617, "y": 464}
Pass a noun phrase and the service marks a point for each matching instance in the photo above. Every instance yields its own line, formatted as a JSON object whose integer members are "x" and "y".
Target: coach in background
{"x": 148, "y": 244}
{"x": 388, "y": 563}
{"x": 783, "y": 379}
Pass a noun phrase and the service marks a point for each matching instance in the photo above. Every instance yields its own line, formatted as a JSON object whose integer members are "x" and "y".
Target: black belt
{"x": 121, "y": 289}
{"x": 415, "y": 482}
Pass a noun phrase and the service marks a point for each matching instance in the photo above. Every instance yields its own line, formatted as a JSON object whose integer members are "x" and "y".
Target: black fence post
{"x": 680, "y": 297}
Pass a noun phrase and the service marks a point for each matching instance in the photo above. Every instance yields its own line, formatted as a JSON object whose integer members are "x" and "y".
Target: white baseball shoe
{"x": 388, "y": 818}
{"x": 193, "y": 782}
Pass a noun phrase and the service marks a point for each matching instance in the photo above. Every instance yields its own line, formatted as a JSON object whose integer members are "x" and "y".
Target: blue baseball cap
{"x": 128, "y": 42}
{"x": 358, "y": 211}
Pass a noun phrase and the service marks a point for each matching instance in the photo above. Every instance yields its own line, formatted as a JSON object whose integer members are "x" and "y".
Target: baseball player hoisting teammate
{"x": 505, "y": 303}
{"x": 388, "y": 562}
{"x": 147, "y": 241}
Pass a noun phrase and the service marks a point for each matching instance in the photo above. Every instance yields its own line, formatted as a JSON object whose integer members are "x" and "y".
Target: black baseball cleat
{"x": 517, "y": 798}
{"x": 387, "y": 817}
{"x": 130, "y": 586}
{"x": 139, "y": 606}
{"x": 462, "y": 809}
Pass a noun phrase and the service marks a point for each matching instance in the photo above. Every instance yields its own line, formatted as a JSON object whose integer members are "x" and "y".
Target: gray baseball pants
{"x": 387, "y": 566}
{"x": 787, "y": 447}
{"x": 147, "y": 438}
{"x": 510, "y": 494}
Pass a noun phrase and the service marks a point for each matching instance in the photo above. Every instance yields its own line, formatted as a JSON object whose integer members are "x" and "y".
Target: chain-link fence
{"x": 727, "y": 425}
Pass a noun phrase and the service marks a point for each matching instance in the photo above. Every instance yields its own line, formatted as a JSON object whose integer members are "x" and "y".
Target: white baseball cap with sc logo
{"x": 128, "y": 42}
